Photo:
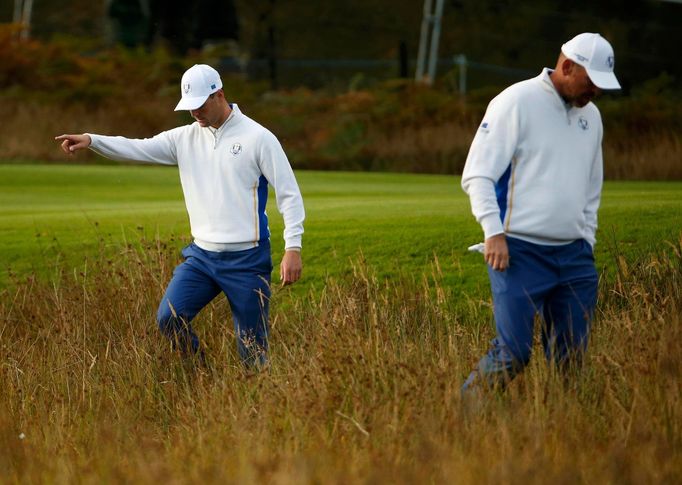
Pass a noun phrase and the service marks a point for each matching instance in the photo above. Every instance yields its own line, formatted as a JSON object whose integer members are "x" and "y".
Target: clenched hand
{"x": 496, "y": 252}
{"x": 291, "y": 267}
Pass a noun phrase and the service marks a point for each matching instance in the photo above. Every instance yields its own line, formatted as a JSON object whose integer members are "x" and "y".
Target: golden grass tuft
{"x": 363, "y": 387}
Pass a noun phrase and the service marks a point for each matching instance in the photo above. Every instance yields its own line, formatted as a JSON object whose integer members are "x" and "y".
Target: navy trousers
{"x": 558, "y": 282}
{"x": 244, "y": 277}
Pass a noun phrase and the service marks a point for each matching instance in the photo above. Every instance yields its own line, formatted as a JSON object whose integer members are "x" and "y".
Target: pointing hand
{"x": 72, "y": 143}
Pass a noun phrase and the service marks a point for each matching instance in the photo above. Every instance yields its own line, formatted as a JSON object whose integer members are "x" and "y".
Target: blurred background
{"x": 346, "y": 85}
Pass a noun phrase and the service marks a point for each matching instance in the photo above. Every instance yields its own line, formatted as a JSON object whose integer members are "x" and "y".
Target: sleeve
{"x": 489, "y": 157}
{"x": 594, "y": 192}
{"x": 158, "y": 149}
{"x": 276, "y": 168}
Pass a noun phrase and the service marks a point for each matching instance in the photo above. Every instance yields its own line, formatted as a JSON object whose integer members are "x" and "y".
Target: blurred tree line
{"x": 522, "y": 35}
{"x": 113, "y": 67}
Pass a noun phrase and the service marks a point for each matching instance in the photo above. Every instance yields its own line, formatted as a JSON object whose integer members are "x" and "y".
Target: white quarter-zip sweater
{"x": 534, "y": 170}
{"x": 224, "y": 175}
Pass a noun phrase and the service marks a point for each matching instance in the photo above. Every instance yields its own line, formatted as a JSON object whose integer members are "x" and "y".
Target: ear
{"x": 567, "y": 67}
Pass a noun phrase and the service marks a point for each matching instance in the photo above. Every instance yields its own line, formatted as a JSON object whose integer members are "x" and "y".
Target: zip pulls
{"x": 216, "y": 132}
{"x": 547, "y": 82}
{"x": 567, "y": 111}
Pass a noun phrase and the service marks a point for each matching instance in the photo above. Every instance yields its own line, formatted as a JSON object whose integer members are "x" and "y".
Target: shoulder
{"x": 524, "y": 92}
{"x": 181, "y": 131}
{"x": 254, "y": 129}
{"x": 591, "y": 110}
{"x": 515, "y": 96}
{"x": 252, "y": 125}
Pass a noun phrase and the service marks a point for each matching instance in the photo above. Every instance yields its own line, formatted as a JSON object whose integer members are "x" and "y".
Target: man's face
{"x": 210, "y": 113}
{"x": 579, "y": 89}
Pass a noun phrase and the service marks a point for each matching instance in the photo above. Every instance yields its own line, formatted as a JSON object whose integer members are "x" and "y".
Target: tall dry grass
{"x": 363, "y": 386}
{"x": 651, "y": 156}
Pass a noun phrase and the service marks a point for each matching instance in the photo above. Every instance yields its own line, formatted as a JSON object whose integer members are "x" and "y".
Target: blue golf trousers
{"x": 244, "y": 277}
{"x": 558, "y": 282}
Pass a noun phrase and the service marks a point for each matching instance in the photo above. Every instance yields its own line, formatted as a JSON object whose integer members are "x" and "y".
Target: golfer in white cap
{"x": 534, "y": 178}
{"x": 226, "y": 162}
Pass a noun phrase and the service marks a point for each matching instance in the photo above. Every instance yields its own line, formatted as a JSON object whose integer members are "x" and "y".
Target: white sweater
{"x": 534, "y": 170}
{"x": 224, "y": 175}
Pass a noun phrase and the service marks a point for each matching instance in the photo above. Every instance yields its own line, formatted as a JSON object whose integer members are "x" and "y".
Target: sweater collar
{"x": 234, "y": 114}
{"x": 548, "y": 85}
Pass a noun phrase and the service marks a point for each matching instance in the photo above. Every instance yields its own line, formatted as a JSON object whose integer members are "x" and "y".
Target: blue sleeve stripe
{"x": 511, "y": 195}
{"x": 264, "y": 230}
{"x": 501, "y": 191}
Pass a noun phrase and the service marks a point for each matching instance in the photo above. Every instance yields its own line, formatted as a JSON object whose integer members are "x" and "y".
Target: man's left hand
{"x": 291, "y": 267}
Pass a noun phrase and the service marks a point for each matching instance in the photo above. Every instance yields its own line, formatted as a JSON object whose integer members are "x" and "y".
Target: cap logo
{"x": 582, "y": 122}
{"x": 610, "y": 62}
{"x": 581, "y": 58}
{"x": 186, "y": 88}
{"x": 212, "y": 86}
{"x": 236, "y": 149}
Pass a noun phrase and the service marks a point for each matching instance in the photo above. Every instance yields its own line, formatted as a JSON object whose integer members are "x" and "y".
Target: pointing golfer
{"x": 226, "y": 161}
{"x": 534, "y": 178}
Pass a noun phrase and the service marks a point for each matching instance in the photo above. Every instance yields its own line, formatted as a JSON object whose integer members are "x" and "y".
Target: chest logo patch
{"x": 582, "y": 123}
{"x": 236, "y": 149}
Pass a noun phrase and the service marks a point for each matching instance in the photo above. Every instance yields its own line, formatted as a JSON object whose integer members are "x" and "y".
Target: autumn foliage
{"x": 66, "y": 85}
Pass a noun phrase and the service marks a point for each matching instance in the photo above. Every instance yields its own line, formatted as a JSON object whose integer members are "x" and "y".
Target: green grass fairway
{"x": 64, "y": 216}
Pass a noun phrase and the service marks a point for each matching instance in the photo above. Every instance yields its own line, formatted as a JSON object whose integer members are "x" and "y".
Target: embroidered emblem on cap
{"x": 236, "y": 149}
{"x": 186, "y": 88}
{"x": 610, "y": 62}
{"x": 582, "y": 122}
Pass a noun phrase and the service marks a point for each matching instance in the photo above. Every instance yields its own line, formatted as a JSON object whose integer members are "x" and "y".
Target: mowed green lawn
{"x": 68, "y": 216}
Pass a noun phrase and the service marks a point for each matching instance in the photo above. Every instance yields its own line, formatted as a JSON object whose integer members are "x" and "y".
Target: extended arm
{"x": 159, "y": 149}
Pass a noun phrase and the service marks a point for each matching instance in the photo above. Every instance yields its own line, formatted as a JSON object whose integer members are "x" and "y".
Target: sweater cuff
{"x": 492, "y": 225}
{"x": 293, "y": 243}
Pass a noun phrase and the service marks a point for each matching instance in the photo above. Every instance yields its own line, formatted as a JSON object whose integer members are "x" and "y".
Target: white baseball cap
{"x": 198, "y": 83}
{"x": 595, "y": 54}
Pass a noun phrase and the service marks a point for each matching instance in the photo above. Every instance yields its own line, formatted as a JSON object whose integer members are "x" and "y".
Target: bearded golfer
{"x": 226, "y": 161}
{"x": 534, "y": 178}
